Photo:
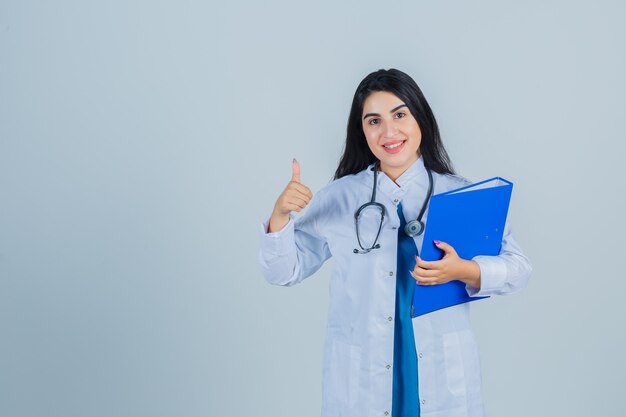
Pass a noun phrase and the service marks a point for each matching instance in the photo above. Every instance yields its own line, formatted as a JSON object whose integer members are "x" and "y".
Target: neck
{"x": 392, "y": 172}
{"x": 395, "y": 172}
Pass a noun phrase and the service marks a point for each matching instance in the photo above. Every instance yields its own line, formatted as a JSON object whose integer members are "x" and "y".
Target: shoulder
{"x": 333, "y": 200}
{"x": 345, "y": 185}
{"x": 455, "y": 180}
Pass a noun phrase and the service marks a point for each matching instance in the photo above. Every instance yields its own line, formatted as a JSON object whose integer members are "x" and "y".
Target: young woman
{"x": 378, "y": 361}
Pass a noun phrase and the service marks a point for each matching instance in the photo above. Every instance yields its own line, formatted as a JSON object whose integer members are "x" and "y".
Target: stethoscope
{"x": 413, "y": 228}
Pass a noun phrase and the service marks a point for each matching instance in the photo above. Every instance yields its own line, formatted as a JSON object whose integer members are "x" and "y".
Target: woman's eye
{"x": 372, "y": 121}
{"x": 402, "y": 113}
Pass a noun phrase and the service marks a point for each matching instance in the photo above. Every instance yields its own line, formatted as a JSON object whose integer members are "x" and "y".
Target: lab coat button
{"x": 423, "y": 402}
{"x": 390, "y": 273}
{"x": 395, "y": 200}
{"x": 388, "y": 366}
{"x": 389, "y": 318}
{"x": 420, "y": 354}
{"x": 386, "y": 413}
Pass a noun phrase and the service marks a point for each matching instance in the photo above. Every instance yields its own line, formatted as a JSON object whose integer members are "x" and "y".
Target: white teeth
{"x": 395, "y": 145}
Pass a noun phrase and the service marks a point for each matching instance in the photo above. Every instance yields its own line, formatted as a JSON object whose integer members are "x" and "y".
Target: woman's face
{"x": 392, "y": 132}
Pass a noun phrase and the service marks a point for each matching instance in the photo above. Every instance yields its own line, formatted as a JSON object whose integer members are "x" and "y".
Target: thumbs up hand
{"x": 295, "y": 197}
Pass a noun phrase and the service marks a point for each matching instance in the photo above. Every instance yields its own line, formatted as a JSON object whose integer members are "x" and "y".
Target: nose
{"x": 391, "y": 129}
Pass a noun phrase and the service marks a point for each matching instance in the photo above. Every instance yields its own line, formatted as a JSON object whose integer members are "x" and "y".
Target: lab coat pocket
{"x": 342, "y": 376}
{"x": 455, "y": 374}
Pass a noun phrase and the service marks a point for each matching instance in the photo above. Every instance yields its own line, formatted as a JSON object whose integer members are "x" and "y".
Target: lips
{"x": 394, "y": 146}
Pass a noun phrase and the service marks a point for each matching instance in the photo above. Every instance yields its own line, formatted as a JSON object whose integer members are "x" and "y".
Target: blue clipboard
{"x": 472, "y": 220}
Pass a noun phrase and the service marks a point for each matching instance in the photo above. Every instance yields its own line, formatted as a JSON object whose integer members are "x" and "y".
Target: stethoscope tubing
{"x": 413, "y": 228}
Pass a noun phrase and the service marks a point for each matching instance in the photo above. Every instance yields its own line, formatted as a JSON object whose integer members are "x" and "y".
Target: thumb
{"x": 444, "y": 247}
{"x": 295, "y": 171}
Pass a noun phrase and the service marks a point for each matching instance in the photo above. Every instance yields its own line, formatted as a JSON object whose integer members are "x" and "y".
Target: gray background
{"x": 142, "y": 143}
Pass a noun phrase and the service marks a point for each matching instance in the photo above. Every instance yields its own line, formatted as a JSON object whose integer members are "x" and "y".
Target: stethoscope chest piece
{"x": 414, "y": 228}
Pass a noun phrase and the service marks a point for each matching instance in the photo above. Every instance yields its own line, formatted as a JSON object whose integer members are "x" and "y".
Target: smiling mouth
{"x": 393, "y": 146}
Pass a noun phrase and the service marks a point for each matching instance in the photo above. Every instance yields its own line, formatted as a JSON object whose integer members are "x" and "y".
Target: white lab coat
{"x": 358, "y": 351}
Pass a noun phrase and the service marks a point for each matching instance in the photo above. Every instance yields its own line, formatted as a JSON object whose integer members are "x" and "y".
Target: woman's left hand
{"x": 449, "y": 268}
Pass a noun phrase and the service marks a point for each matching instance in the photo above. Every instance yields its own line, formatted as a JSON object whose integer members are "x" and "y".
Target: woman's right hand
{"x": 295, "y": 197}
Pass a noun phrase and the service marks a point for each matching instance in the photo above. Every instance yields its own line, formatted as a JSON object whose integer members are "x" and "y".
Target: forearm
{"x": 472, "y": 274}
{"x": 277, "y": 222}
{"x": 292, "y": 253}
{"x": 504, "y": 274}
{"x": 277, "y": 254}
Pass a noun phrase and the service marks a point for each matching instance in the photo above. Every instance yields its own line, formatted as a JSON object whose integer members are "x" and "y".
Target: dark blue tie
{"x": 405, "y": 384}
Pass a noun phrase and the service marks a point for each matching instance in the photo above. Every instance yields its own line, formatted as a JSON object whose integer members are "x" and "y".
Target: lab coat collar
{"x": 416, "y": 172}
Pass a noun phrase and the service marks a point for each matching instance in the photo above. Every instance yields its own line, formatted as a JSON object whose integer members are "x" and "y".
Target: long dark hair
{"x": 357, "y": 154}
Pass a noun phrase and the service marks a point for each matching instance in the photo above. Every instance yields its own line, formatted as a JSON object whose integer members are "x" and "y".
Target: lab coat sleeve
{"x": 504, "y": 274}
{"x": 297, "y": 250}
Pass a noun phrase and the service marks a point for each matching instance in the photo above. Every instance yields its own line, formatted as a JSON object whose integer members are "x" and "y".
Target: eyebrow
{"x": 390, "y": 111}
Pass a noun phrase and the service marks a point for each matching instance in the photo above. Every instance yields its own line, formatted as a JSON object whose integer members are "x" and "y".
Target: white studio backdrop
{"x": 142, "y": 144}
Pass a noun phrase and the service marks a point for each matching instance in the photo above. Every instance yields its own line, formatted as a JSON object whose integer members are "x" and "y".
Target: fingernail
{"x": 437, "y": 242}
